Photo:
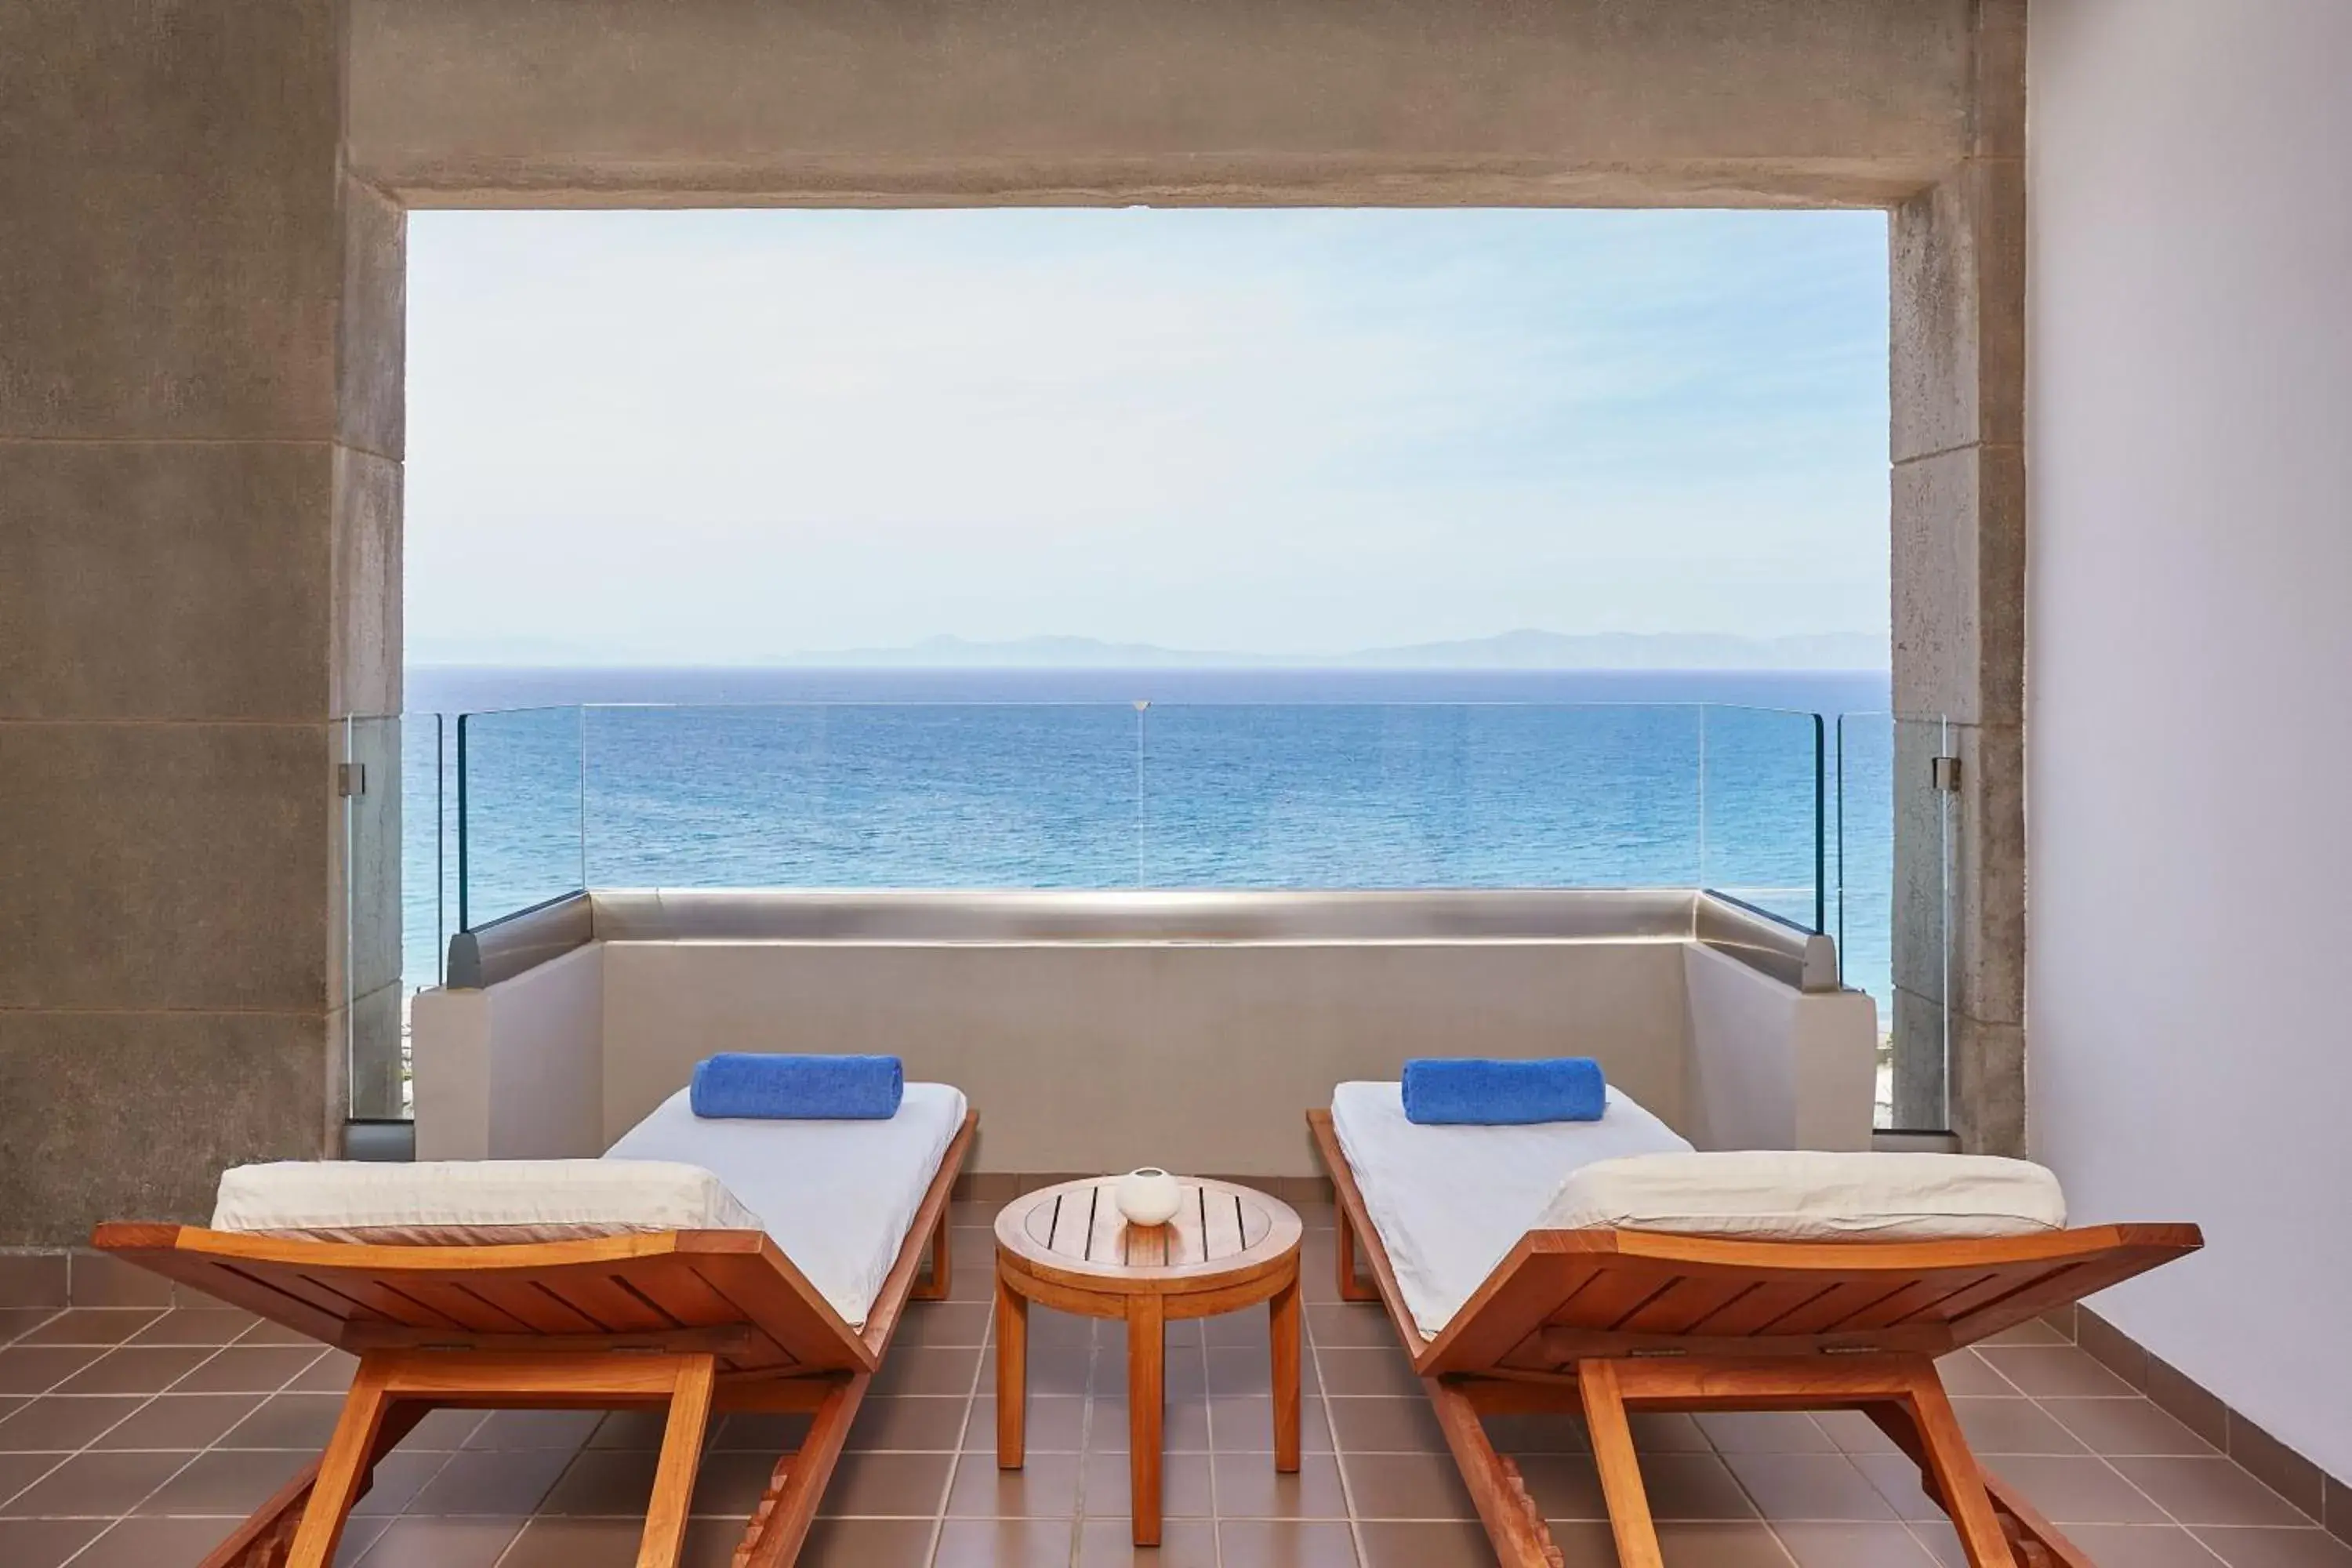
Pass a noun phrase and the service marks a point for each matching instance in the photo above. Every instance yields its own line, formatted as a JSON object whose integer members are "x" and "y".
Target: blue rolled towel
{"x": 797, "y": 1088}
{"x": 1481, "y": 1091}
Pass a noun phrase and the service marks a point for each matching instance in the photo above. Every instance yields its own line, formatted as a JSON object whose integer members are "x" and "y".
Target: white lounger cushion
{"x": 1793, "y": 1194}
{"x": 1450, "y": 1203}
{"x": 480, "y": 1202}
{"x": 837, "y": 1198}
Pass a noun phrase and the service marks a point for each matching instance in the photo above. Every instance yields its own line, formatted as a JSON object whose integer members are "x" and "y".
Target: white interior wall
{"x": 2190, "y": 689}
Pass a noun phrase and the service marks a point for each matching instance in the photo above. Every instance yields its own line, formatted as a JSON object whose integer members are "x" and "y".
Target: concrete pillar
{"x": 1957, "y": 272}
{"x": 200, "y": 441}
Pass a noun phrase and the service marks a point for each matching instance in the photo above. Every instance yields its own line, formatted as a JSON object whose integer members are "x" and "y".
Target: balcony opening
{"x": 1206, "y": 550}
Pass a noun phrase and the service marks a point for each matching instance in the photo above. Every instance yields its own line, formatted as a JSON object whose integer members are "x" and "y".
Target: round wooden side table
{"x": 1069, "y": 1248}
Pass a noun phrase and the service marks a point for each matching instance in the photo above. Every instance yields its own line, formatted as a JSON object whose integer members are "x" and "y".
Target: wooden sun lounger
{"x": 700, "y": 1322}
{"x": 1604, "y": 1321}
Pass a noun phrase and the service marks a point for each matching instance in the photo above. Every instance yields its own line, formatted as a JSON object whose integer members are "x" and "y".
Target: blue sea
{"x": 1775, "y": 787}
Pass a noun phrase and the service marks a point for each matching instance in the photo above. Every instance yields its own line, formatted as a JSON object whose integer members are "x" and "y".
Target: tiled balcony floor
{"x": 134, "y": 1439}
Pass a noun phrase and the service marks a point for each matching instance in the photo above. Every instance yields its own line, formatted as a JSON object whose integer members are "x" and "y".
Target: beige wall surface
{"x": 1769, "y": 1067}
{"x": 1105, "y": 1056}
{"x": 1211, "y": 103}
{"x": 2191, "y": 575}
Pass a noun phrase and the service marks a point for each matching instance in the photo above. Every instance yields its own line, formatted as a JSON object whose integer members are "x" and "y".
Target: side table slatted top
{"x": 1082, "y": 1225}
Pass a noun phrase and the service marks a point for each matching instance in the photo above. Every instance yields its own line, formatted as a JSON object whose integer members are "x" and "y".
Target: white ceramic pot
{"x": 1148, "y": 1196}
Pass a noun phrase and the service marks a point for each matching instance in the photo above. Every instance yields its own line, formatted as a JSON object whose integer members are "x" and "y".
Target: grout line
{"x": 970, "y": 1401}
{"x": 1314, "y": 1352}
{"x": 127, "y": 1415}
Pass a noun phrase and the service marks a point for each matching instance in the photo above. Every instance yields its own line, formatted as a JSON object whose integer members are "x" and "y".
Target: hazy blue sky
{"x": 721, "y": 436}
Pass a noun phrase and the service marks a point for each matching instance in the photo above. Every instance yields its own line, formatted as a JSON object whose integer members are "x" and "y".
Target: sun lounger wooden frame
{"x": 698, "y": 1322}
{"x": 1599, "y": 1322}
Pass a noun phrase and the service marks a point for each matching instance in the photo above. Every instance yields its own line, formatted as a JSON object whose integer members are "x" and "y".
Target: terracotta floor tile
{"x": 230, "y": 1482}
{"x": 949, "y": 1323}
{"x": 1249, "y": 1487}
{"x": 1406, "y": 1486}
{"x": 1852, "y": 1545}
{"x": 1764, "y": 1432}
{"x": 155, "y": 1542}
{"x": 1692, "y": 1543}
{"x": 2259, "y": 1548}
{"x": 756, "y": 1434}
{"x": 360, "y": 1534}
{"x": 1897, "y": 1480}
{"x": 1057, "y": 1424}
{"x": 1538, "y": 1434}
{"x": 329, "y": 1373}
{"x": 1248, "y": 1327}
{"x": 631, "y": 1429}
{"x": 575, "y": 1543}
{"x": 1006, "y": 1544}
{"x": 44, "y": 1543}
{"x": 137, "y": 1369}
{"x": 1809, "y": 1486}
{"x": 945, "y": 1370}
{"x": 1046, "y": 1487}
{"x": 1282, "y": 1543}
{"x": 1693, "y": 1487}
{"x": 1967, "y": 1372}
{"x": 1184, "y": 1543}
{"x": 1390, "y": 1423}
{"x": 1854, "y": 1431}
{"x": 1245, "y": 1424}
{"x": 96, "y": 1486}
{"x": 868, "y": 1543}
{"x": 485, "y": 1482}
{"x": 400, "y": 1475}
{"x": 1668, "y": 1431}
{"x": 2076, "y": 1490}
{"x": 423, "y": 1542}
{"x": 93, "y": 1326}
{"x": 533, "y": 1429}
{"x": 302, "y": 1421}
{"x": 1388, "y": 1544}
{"x": 2054, "y": 1371}
{"x": 1184, "y": 1426}
{"x": 265, "y": 1332}
{"x": 2199, "y": 1491}
{"x": 1185, "y": 1489}
{"x": 62, "y": 1424}
{"x": 916, "y": 1421}
{"x": 733, "y": 1483}
{"x": 2125, "y": 1428}
{"x": 902, "y": 1486}
{"x": 2138, "y": 1546}
{"x": 240, "y": 1369}
{"x": 1350, "y": 1371}
{"x": 1333, "y": 1325}
{"x": 195, "y": 1327}
{"x": 1564, "y": 1486}
{"x": 18, "y": 1322}
{"x": 36, "y": 1369}
{"x": 2013, "y": 1427}
{"x": 613, "y": 1482}
{"x": 18, "y": 1472}
{"x": 441, "y": 1431}
{"x": 180, "y": 1421}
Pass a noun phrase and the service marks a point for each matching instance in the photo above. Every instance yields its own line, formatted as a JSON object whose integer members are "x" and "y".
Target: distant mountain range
{"x": 1524, "y": 649}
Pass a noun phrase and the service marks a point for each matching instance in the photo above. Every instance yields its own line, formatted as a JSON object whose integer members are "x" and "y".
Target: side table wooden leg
{"x": 1146, "y": 1357}
{"x": 1012, "y": 1375}
{"x": 1283, "y": 1315}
